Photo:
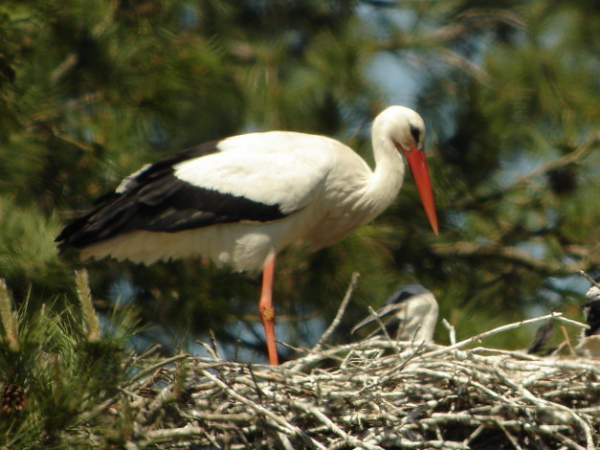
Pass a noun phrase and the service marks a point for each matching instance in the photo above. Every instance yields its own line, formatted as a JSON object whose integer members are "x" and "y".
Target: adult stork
{"x": 240, "y": 200}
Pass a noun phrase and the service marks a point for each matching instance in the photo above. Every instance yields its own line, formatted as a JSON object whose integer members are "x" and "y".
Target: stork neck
{"x": 389, "y": 171}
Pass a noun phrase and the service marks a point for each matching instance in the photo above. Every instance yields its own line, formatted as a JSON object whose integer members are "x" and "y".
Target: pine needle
{"x": 85, "y": 300}
{"x": 8, "y": 318}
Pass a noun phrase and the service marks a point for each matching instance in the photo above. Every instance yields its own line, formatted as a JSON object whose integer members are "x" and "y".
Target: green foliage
{"x": 509, "y": 90}
{"x": 53, "y": 371}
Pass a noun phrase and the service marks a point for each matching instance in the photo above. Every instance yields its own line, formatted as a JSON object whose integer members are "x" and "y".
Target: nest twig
{"x": 373, "y": 394}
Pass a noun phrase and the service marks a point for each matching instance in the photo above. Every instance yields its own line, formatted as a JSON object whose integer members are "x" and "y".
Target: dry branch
{"x": 372, "y": 394}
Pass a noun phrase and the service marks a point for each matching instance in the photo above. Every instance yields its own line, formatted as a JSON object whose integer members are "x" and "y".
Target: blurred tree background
{"x": 510, "y": 92}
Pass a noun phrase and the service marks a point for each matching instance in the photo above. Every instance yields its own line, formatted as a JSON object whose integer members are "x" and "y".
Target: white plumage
{"x": 409, "y": 314}
{"x": 241, "y": 200}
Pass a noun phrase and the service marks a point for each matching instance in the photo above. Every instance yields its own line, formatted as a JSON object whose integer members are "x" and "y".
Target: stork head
{"x": 406, "y": 129}
{"x": 410, "y": 314}
{"x": 593, "y": 294}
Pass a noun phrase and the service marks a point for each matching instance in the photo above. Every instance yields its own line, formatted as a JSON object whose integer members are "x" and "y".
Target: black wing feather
{"x": 593, "y": 317}
{"x": 155, "y": 200}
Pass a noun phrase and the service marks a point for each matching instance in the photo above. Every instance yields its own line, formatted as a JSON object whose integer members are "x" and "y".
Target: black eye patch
{"x": 416, "y": 133}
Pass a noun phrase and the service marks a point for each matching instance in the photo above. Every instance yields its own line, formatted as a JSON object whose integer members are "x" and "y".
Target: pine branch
{"x": 576, "y": 156}
{"x": 8, "y": 318}
{"x": 471, "y": 250}
{"x": 85, "y": 301}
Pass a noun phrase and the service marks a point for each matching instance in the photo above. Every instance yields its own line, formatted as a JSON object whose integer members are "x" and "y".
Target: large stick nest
{"x": 371, "y": 394}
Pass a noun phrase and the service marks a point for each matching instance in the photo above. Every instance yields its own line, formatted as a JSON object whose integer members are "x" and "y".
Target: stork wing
{"x": 255, "y": 177}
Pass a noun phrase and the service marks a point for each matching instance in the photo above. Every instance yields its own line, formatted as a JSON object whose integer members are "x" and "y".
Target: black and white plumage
{"x": 241, "y": 200}
{"x": 589, "y": 342}
{"x": 591, "y": 311}
{"x": 409, "y": 314}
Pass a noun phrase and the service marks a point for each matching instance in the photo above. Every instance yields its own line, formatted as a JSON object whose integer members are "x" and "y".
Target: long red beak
{"x": 418, "y": 166}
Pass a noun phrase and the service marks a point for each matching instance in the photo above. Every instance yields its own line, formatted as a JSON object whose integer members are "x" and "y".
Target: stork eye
{"x": 416, "y": 133}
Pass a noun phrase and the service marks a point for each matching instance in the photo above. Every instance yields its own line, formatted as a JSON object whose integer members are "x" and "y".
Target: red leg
{"x": 266, "y": 310}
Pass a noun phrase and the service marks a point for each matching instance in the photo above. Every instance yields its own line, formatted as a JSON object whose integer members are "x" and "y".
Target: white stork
{"x": 589, "y": 341}
{"x": 241, "y": 200}
{"x": 410, "y": 314}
